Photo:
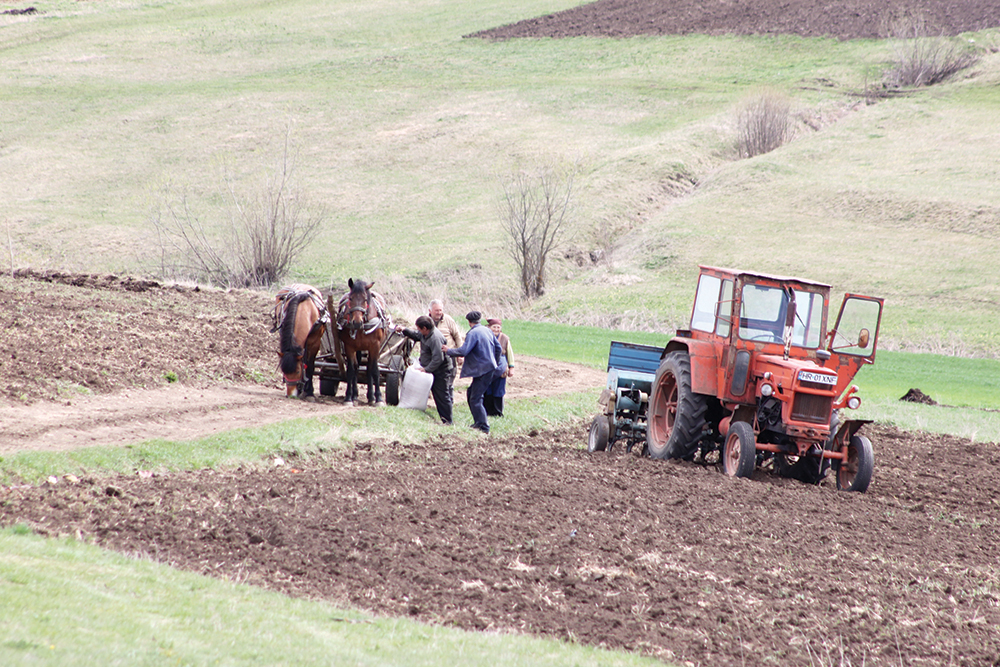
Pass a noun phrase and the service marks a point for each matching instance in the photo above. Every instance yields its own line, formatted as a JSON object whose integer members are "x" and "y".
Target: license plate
{"x": 818, "y": 378}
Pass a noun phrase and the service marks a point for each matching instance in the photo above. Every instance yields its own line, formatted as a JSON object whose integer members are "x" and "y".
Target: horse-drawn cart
{"x": 394, "y": 358}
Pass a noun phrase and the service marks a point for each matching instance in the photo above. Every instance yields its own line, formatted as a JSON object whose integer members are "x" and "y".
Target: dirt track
{"x": 530, "y": 534}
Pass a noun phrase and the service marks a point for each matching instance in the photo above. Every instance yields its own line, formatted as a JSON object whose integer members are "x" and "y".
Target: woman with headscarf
{"x": 493, "y": 399}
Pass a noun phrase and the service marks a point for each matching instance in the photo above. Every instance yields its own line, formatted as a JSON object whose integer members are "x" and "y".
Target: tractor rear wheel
{"x": 739, "y": 456}
{"x": 675, "y": 416}
{"x": 600, "y": 433}
{"x": 855, "y": 474}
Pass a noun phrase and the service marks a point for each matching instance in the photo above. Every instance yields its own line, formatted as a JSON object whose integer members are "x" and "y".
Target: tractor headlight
{"x": 854, "y": 402}
{"x": 766, "y": 390}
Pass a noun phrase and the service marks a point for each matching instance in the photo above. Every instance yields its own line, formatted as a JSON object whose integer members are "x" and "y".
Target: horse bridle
{"x": 351, "y": 324}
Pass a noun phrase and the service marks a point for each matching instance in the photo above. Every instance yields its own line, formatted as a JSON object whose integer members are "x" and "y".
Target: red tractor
{"x": 760, "y": 376}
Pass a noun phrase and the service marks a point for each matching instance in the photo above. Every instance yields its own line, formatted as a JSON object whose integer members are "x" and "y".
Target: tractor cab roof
{"x": 754, "y": 276}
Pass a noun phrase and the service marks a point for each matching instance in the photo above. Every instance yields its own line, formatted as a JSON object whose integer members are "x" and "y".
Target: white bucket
{"x": 416, "y": 387}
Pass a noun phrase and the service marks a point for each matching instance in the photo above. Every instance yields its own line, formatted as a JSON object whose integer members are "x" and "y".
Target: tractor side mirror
{"x": 864, "y": 338}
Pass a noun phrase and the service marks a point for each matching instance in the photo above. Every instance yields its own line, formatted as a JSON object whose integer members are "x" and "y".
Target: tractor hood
{"x": 807, "y": 392}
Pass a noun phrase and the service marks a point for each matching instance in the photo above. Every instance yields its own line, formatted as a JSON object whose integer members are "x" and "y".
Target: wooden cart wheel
{"x": 328, "y": 386}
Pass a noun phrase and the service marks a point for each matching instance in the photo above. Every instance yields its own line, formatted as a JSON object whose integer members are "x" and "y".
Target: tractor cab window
{"x": 712, "y": 305}
{"x": 808, "y": 319}
{"x": 764, "y": 310}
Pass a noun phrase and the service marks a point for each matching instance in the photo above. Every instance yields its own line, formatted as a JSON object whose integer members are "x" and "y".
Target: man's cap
{"x": 474, "y": 316}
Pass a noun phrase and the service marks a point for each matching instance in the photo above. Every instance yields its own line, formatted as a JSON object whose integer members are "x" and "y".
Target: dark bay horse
{"x": 301, "y": 315}
{"x": 362, "y": 325}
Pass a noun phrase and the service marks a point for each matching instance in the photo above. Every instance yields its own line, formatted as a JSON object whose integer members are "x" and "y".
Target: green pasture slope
{"x": 402, "y": 127}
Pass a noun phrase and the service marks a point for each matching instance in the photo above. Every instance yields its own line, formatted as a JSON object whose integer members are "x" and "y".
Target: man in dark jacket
{"x": 433, "y": 361}
{"x": 481, "y": 351}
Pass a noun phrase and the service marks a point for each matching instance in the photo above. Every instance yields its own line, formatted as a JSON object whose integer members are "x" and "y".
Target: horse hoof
{"x": 349, "y": 404}
{"x": 380, "y": 404}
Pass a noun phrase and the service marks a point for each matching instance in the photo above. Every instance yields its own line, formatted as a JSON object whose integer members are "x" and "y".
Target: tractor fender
{"x": 846, "y": 430}
{"x": 704, "y": 363}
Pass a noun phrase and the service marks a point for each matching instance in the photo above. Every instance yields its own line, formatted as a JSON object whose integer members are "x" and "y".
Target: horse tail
{"x": 290, "y": 351}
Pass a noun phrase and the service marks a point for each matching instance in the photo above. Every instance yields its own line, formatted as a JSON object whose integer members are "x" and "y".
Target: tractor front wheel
{"x": 855, "y": 474}
{"x": 675, "y": 416}
{"x": 739, "y": 457}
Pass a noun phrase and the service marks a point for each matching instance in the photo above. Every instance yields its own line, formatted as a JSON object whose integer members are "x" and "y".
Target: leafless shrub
{"x": 265, "y": 230}
{"x": 532, "y": 210}
{"x": 762, "y": 123}
{"x": 923, "y": 60}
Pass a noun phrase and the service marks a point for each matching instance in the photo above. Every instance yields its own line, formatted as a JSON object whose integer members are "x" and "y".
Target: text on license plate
{"x": 819, "y": 378}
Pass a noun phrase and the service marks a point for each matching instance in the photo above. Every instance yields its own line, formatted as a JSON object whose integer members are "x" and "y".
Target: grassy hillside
{"x": 402, "y": 127}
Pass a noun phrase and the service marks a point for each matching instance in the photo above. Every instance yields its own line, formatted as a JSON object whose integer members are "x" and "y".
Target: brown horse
{"x": 302, "y": 316}
{"x": 362, "y": 325}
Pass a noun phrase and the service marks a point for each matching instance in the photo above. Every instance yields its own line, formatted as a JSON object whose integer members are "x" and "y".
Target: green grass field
{"x": 402, "y": 128}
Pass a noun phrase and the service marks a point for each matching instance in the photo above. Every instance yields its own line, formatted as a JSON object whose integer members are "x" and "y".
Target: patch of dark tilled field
{"x": 846, "y": 19}
{"x": 535, "y": 535}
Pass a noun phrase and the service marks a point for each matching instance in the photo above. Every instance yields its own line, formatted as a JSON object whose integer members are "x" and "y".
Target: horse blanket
{"x": 284, "y": 296}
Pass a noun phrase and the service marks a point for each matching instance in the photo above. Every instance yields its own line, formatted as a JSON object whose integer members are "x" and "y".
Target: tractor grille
{"x": 812, "y": 408}
{"x": 816, "y": 385}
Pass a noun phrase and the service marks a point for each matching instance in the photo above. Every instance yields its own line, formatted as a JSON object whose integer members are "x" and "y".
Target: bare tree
{"x": 533, "y": 209}
{"x": 265, "y": 231}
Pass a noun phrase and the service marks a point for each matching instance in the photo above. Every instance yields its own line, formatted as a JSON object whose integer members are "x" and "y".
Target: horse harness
{"x": 292, "y": 293}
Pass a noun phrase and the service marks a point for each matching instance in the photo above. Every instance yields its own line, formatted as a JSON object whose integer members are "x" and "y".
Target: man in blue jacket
{"x": 481, "y": 350}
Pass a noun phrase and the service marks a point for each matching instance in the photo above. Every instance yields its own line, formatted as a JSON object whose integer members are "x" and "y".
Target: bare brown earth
{"x": 84, "y": 360}
{"x": 532, "y": 534}
{"x": 844, "y": 19}
{"x": 526, "y": 534}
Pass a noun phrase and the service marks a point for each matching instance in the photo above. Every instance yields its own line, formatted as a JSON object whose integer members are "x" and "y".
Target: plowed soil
{"x": 845, "y": 19}
{"x": 528, "y": 534}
